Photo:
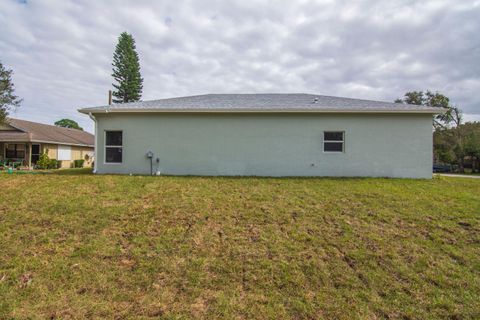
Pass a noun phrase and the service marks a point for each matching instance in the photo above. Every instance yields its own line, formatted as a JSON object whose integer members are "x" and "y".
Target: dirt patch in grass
{"x": 84, "y": 246}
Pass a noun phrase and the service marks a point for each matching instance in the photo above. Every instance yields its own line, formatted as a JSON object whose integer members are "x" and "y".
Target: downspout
{"x": 95, "y": 160}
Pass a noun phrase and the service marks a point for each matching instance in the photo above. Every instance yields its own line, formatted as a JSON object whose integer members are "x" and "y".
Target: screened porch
{"x": 19, "y": 154}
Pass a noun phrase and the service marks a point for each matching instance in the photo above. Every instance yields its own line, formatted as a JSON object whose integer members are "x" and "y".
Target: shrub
{"x": 54, "y": 164}
{"x": 44, "y": 161}
{"x": 78, "y": 163}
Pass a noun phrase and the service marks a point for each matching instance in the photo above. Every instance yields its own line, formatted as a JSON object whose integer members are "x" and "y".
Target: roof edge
{"x": 62, "y": 143}
{"x": 15, "y": 127}
{"x": 46, "y": 142}
{"x": 433, "y": 110}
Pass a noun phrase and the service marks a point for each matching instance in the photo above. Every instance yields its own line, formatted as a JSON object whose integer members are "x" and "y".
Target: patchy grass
{"x": 74, "y": 172}
{"x": 84, "y": 246}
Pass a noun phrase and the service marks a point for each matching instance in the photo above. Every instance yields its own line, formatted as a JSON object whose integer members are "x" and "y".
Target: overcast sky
{"x": 61, "y": 51}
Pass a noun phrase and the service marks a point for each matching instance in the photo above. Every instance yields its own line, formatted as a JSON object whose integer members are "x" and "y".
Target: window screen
{"x": 333, "y": 141}
{"x": 333, "y": 136}
{"x": 15, "y": 151}
{"x": 113, "y": 155}
{"x": 113, "y": 146}
{"x": 114, "y": 138}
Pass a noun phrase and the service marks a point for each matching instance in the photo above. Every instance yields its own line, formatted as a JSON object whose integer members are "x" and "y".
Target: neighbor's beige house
{"x": 24, "y": 141}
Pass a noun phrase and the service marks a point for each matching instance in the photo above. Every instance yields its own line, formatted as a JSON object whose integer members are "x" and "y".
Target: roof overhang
{"x": 63, "y": 143}
{"x": 238, "y": 110}
{"x": 45, "y": 142}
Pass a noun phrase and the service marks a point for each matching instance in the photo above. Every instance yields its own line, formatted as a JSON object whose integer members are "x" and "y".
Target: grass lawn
{"x": 83, "y": 246}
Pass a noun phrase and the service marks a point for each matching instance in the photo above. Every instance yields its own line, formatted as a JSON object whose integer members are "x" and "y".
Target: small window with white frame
{"x": 333, "y": 141}
{"x": 113, "y": 146}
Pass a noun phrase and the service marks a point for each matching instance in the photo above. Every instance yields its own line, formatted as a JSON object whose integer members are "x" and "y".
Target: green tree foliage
{"x": 453, "y": 142}
{"x": 452, "y": 116}
{"x": 126, "y": 71}
{"x": 44, "y": 161}
{"x": 413, "y": 97}
{"x": 68, "y": 123}
{"x": 454, "y": 145}
{"x": 8, "y": 99}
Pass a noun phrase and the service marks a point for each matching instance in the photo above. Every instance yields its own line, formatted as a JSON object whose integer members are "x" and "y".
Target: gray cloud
{"x": 61, "y": 50}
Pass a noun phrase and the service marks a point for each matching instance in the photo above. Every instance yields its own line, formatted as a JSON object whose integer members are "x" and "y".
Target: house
{"x": 264, "y": 135}
{"x": 22, "y": 142}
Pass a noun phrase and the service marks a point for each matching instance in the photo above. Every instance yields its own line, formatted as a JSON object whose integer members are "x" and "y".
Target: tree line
{"x": 454, "y": 143}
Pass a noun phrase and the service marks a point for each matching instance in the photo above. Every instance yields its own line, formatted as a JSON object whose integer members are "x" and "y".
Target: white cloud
{"x": 61, "y": 50}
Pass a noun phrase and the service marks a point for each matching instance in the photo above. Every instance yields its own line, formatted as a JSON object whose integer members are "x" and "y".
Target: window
{"x": 64, "y": 152}
{"x": 15, "y": 151}
{"x": 113, "y": 146}
{"x": 333, "y": 141}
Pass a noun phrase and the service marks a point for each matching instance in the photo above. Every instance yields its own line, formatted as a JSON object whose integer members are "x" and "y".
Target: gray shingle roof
{"x": 267, "y": 102}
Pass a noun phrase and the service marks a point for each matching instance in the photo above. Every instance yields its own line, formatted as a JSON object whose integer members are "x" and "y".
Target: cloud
{"x": 61, "y": 50}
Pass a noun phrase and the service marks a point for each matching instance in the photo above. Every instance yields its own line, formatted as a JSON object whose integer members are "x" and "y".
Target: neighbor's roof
{"x": 267, "y": 102}
{"x": 27, "y": 131}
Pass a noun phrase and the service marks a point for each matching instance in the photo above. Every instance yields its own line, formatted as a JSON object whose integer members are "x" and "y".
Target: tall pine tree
{"x": 8, "y": 99}
{"x": 126, "y": 71}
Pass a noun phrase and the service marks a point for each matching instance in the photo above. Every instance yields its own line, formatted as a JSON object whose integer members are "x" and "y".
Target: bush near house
{"x": 78, "y": 163}
{"x": 54, "y": 164}
{"x": 43, "y": 161}
{"x": 238, "y": 248}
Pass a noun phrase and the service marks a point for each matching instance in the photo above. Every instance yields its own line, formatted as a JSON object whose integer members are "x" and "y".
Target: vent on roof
{"x": 315, "y": 100}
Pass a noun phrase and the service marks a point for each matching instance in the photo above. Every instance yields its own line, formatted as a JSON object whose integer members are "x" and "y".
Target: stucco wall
{"x": 270, "y": 144}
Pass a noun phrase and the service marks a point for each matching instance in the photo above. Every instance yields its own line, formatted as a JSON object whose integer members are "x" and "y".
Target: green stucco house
{"x": 264, "y": 135}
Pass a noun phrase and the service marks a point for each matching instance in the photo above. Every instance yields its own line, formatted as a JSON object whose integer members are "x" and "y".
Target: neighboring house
{"x": 264, "y": 135}
{"x": 23, "y": 142}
